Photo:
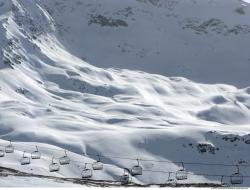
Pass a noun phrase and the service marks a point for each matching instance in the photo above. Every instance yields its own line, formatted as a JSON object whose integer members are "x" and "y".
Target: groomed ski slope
{"x": 51, "y": 98}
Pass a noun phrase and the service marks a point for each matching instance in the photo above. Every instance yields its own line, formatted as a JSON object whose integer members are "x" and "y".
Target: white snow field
{"x": 61, "y": 89}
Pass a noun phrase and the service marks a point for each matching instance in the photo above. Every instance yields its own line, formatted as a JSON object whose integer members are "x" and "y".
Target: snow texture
{"x": 75, "y": 76}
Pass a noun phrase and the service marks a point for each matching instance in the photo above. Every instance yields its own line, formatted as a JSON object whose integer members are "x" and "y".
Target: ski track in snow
{"x": 52, "y": 98}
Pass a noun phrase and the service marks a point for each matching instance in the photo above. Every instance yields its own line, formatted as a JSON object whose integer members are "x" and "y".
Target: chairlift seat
{"x": 236, "y": 178}
{"x": 54, "y": 167}
{"x": 35, "y": 155}
{"x": 2, "y": 153}
{"x": 97, "y": 166}
{"x": 9, "y": 149}
{"x": 86, "y": 173}
{"x": 181, "y": 175}
{"x": 25, "y": 161}
{"x": 125, "y": 179}
{"x": 136, "y": 170}
{"x": 64, "y": 160}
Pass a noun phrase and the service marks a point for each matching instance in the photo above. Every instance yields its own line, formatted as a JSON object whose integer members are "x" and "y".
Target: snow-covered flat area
{"x": 13, "y": 181}
{"x": 58, "y": 102}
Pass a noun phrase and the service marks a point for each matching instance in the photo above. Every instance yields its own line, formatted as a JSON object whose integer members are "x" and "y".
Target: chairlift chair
{"x": 171, "y": 181}
{"x": 2, "y": 153}
{"x": 54, "y": 167}
{"x": 86, "y": 172}
{"x": 137, "y": 169}
{"x": 181, "y": 174}
{"x": 224, "y": 184}
{"x": 98, "y": 165}
{"x": 169, "y": 177}
{"x": 65, "y": 159}
{"x": 236, "y": 178}
{"x": 25, "y": 159}
{"x": 9, "y": 148}
{"x": 36, "y": 154}
{"x": 125, "y": 178}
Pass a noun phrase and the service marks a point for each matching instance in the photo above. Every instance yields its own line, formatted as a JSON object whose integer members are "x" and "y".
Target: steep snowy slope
{"x": 206, "y": 41}
{"x": 51, "y": 98}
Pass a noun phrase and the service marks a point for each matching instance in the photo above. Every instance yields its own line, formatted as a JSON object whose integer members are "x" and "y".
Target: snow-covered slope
{"x": 52, "y": 98}
{"x": 211, "y": 37}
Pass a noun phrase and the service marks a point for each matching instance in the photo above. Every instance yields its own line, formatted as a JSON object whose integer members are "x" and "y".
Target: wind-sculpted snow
{"x": 212, "y": 37}
{"x": 51, "y": 97}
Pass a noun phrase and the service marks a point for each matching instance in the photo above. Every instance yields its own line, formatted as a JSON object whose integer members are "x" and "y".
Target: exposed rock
{"x": 206, "y": 147}
{"x": 247, "y": 141}
{"x": 213, "y": 25}
{"x": 231, "y": 138}
{"x": 107, "y": 21}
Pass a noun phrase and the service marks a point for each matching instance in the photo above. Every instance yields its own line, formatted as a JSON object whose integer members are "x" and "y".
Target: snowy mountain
{"x": 78, "y": 76}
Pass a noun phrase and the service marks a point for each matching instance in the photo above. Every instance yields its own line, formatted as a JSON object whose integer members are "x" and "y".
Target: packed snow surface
{"x": 50, "y": 97}
{"x": 13, "y": 181}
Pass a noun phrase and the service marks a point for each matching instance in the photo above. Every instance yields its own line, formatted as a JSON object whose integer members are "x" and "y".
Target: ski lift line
{"x": 41, "y": 147}
{"x": 57, "y": 158}
{"x": 166, "y": 172}
{"x": 141, "y": 159}
{"x": 109, "y": 156}
{"x": 159, "y": 171}
{"x": 74, "y": 161}
{"x": 167, "y": 161}
{"x": 145, "y": 160}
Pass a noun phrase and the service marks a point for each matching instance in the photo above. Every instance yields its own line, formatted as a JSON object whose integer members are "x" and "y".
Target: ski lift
{"x": 236, "y": 178}
{"x": 169, "y": 177}
{"x": 54, "y": 167}
{"x": 221, "y": 180}
{"x": 181, "y": 174}
{"x": 86, "y": 173}
{"x": 25, "y": 159}
{"x": 137, "y": 169}
{"x": 2, "y": 153}
{"x": 98, "y": 165}
{"x": 65, "y": 159}
{"x": 171, "y": 181}
{"x": 125, "y": 178}
{"x": 36, "y": 154}
{"x": 9, "y": 148}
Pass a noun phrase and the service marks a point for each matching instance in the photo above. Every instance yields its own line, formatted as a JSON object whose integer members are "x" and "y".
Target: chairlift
{"x": 181, "y": 174}
{"x": 125, "y": 178}
{"x": 65, "y": 159}
{"x": 169, "y": 177}
{"x": 237, "y": 177}
{"x": 221, "y": 180}
{"x": 25, "y": 159}
{"x": 86, "y": 172}
{"x": 171, "y": 181}
{"x": 98, "y": 165}
{"x": 54, "y": 167}
{"x": 2, "y": 153}
{"x": 36, "y": 154}
{"x": 137, "y": 169}
{"x": 9, "y": 148}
